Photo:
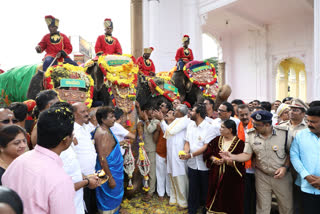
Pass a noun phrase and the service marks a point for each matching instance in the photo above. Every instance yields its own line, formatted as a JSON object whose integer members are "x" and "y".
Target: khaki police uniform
{"x": 270, "y": 155}
{"x": 294, "y": 129}
{"x": 297, "y": 199}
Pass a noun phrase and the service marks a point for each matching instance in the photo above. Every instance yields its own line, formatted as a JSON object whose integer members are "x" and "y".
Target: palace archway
{"x": 291, "y": 79}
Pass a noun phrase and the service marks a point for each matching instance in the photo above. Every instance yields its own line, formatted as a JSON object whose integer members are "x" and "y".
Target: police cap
{"x": 262, "y": 116}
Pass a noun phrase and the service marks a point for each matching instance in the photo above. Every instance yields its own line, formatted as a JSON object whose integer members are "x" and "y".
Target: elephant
{"x": 100, "y": 92}
{"x": 191, "y": 92}
{"x": 36, "y": 85}
{"x": 188, "y": 92}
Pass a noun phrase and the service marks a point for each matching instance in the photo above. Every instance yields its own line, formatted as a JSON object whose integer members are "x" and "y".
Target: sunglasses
{"x": 8, "y": 121}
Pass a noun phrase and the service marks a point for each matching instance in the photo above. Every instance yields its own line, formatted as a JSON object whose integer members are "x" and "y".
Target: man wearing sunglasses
{"x": 7, "y": 117}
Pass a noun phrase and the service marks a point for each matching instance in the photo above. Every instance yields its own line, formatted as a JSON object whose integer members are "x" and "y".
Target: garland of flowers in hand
{"x": 143, "y": 163}
{"x": 128, "y": 165}
{"x": 204, "y": 86}
{"x": 162, "y": 92}
{"x": 48, "y": 81}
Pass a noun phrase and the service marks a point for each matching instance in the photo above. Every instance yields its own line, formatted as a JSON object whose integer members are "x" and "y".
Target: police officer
{"x": 271, "y": 146}
{"x": 297, "y": 116}
{"x": 296, "y": 123}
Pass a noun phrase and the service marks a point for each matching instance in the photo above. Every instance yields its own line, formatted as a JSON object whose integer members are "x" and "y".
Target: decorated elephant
{"x": 198, "y": 80}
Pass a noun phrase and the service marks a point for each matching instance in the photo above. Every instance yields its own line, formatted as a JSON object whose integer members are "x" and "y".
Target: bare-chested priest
{"x": 109, "y": 195}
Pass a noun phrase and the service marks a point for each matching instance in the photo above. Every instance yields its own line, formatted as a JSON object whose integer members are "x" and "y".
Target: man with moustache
{"x": 270, "y": 145}
{"x": 109, "y": 195}
{"x": 250, "y": 189}
{"x": 305, "y": 154}
{"x": 107, "y": 44}
{"x": 174, "y": 126}
{"x": 225, "y": 112}
{"x": 296, "y": 123}
{"x": 85, "y": 151}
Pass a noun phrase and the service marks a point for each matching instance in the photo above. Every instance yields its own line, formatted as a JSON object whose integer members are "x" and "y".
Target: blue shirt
{"x": 305, "y": 157}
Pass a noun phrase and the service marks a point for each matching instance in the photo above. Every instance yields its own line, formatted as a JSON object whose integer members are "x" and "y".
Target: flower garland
{"x": 125, "y": 75}
{"x": 190, "y": 77}
{"x": 143, "y": 163}
{"x": 68, "y": 69}
{"x": 161, "y": 92}
{"x": 204, "y": 86}
{"x": 128, "y": 165}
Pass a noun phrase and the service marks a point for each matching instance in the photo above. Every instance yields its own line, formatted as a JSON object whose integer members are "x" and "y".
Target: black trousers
{"x": 198, "y": 189}
{"x": 89, "y": 197}
{"x": 311, "y": 203}
{"x": 249, "y": 194}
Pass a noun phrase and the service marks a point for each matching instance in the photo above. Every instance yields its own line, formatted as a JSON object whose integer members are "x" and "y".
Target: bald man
{"x": 85, "y": 150}
{"x": 7, "y": 117}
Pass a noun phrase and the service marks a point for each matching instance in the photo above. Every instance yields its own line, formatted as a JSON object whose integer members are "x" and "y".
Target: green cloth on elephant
{"x": 15, "y": 82}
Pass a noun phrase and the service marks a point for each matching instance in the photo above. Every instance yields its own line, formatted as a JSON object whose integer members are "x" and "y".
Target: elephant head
{"x": 100, "y": 90}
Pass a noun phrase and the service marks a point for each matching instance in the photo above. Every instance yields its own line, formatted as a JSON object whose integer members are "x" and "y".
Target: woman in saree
{"x": 226, "y": 178}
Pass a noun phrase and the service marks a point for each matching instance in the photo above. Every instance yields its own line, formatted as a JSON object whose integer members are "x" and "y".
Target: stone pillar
{"x": 282, "y": 84}
{"x": 316, "y": 49}
{"x": 136, "y": 28}
{"x": 221, "y": 74}
{"x": 192, "y": 26}
{"x": 292, "y": 83}
{"x": 154, "y": 30}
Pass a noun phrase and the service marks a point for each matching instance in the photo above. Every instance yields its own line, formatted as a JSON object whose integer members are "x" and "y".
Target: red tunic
{"x": 145, "y": 68}
{"x": 54, "y": 44}
{"x": 105, "y": 46}
{"x": 186, "y": 55}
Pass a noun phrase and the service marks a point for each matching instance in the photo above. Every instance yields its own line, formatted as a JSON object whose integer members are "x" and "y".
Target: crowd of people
{"x": 233, "y": 160}
{"x": 62, "y": 158}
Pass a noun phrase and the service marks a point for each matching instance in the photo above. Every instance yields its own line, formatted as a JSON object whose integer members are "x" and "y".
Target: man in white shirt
{"x": 199, "y": 134}
{"x": 85, "y": 151}
{"x": 174, "y": 131}
{"x": 119, "y": 131}
{"x": 225, "y": 111}
{"x": 71, "y": 166}
{"x": 93, "y": 123}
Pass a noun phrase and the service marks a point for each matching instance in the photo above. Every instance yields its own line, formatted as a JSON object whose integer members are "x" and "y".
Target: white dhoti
{"x": 163, "y": 180}
{"x": 179, "y": 190}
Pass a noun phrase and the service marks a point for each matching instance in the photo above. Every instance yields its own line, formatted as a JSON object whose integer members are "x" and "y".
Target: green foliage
{"x": 214, "y": 61}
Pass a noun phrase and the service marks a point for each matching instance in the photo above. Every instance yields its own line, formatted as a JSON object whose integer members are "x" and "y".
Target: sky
{"x": 22, "y": 25}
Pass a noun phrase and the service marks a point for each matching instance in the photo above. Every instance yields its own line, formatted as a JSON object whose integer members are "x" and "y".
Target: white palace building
{"x": 268, "y": 49}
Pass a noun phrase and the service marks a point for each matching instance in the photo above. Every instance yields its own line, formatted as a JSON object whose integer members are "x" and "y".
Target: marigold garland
{"x": 125, "y": 75}
{"x": 161, "y": 92}
{"x": 48, "y": 81}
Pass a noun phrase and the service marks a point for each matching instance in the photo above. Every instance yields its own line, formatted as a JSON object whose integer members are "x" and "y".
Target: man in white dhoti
{"x": 175, "y": 134}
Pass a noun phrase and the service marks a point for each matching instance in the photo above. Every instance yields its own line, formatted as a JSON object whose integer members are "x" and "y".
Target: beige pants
{"x": 282, "y": 188}
{"x": 179, "y": 190}
{"x": 152, "y": 173}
